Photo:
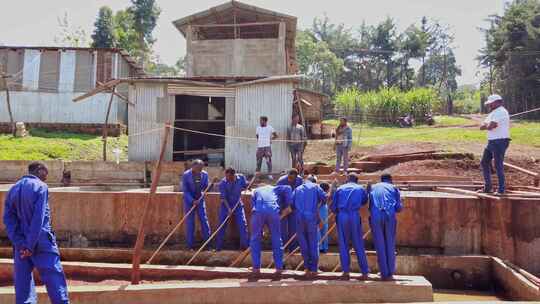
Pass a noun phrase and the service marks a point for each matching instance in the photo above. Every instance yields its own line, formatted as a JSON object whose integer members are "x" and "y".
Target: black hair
{"x": 312, "y": 178}
{"x": 34, "y": 167}
{"x": 386, "y": 177}
{"x": 325, "y": 186}
{"x": 293, "y": 172}
{"x": 344, "y": 118}
{"x": 264, "y": 118}
{"x": 230, "y": 170}
{"x": 197, "y": 162}
{"x": 352, "y": 178}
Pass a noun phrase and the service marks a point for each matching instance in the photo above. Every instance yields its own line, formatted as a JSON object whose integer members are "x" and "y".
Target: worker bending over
{"x": 194, "y": 182}
{"x": 230, "y": 189}
{"x": 27, "y": 218}
{"x": 323, "y": 216}
{"x": 385, "y": 201}
{"x": 305, "y": 203}
{"x": 288, "y": 224}
{"x": 266, "y": 212}
{"x": 346, "y": 204}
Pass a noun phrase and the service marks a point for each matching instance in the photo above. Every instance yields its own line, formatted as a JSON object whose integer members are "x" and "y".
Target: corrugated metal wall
{"x": 49, "y": 71}
{"x": 67, "y": 71}
{"x": 273, "y": 100}
{"x": 143, "y": 118}
{"x": 56, "y": 108}
{"x": 32, "y": 62}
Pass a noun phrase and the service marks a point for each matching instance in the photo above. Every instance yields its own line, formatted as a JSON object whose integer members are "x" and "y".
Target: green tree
{"x": 145, "y": 15}
{"x": 70, "y": 35}
{"x": 125, "y": 34}
{"x": 317, "y": 61}
{"x": 103, "y": 36}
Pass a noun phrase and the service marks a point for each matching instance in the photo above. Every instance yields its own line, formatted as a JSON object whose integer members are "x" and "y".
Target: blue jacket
{"x": 267, "y": 198}
{"x": 348, "y": 197}
{"x": 189, "y": 188}
{"x": 27, "y": 214}
{"x": 384, "y": 197}
{"x": 306, "y": 199}
{"x": 284, "y": 181}
{"x": 230, "y": 192}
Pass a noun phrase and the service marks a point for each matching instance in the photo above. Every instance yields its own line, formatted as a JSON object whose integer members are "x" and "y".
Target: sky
{"x": 35, "y": 22}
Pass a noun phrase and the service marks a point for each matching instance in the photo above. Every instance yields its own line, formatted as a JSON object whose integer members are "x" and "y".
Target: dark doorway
{"x": 202, "y": 114}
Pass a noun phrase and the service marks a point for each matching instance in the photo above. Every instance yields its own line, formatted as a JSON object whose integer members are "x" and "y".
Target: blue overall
{"x": 385, "y": 201}
{"x": 305, "y": 204}
{"x": 266, "y": 211}
{"x": 323, "y": 214}
{"x": 288, "y": 224}
{"x": 28, "y": 225}
{"x": 346, "y": 204}
{"x": 230, "y": 193}
{"x": 192, "y": 191}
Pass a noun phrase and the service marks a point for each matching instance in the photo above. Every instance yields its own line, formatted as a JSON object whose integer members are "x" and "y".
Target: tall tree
{"x": 103, "y": 36}
{"x": 70, "y": 35}
{"x": 125, "y": 34}
{"x": 145, "y": 15}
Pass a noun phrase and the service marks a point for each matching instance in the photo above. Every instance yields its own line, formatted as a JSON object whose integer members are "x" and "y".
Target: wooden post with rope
{"x": 8, "y": 102}
{"x": 231, "y": 212}
{"x": 105, "y": 125}
{"x": 214, "y": 180}
{"x": 136, "y": 260}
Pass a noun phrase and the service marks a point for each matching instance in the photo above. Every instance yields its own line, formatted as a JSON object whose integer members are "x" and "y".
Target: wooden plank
{"x": 205, "y": 151}
{"x": 136, "y": 261}
{"x": 467, "y": 192}
{"x": 237, "y": 25}
{"x": 105, "y": 125}
{"x": 13, "y": 127}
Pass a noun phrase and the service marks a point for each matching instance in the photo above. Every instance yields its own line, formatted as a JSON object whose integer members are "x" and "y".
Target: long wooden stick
{"x": 105, "y": 125}
{"x": 179, "y": 224}
{"x": 13, "y": 128}
{"x": 215, "y": 232}
{"x": 350, "y": 252}
{"x": 135, "y": 272}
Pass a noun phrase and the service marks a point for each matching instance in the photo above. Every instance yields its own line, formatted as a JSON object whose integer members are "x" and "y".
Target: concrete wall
{"x": 446, "y": 224}
{"x": 238, "y": 57}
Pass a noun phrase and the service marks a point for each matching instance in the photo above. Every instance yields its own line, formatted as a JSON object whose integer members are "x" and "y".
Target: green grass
{"x": 523, "y": 133}
{"x": 43, "y": 145}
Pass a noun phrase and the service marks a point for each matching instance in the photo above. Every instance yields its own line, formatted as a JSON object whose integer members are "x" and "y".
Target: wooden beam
{"x": 468, "y": 192}
{"x": 98, "y": 90}
{"x": 8, "y": 102}
{"x": 194, "y": 152}
{"x": 105, "y": 125}
{"x": 136, "y": 260}
{"x": 236, "y": 25}
{"x": 122, "y": 97}
{"x": 528, "y": 172}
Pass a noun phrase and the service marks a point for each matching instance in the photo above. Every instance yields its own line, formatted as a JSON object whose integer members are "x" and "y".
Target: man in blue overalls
{"x": 288, "y": 224}
{"x": 323, "y": 216}
{"x": 194, "y": 182}
{"x": 346, "y": 204}
{"x": 230, "y": 189}
{"x": 28, "y": 225}
{"x": 266, "y": 212}
{"x": 305, "y": 203}
{"x": 385, "y": 202}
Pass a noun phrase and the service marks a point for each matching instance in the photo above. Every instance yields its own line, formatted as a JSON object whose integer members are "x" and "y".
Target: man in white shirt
{"x": 497, "y": 125}
{"x": 265, "y": 135}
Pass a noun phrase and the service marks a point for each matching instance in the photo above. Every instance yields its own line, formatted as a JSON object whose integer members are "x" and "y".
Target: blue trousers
{"x": 349, "y": 225}
{"x": 258, "y": 220}
{"x": 496, "y": 150}
{"x": 240, "y": 217}
{"x": 307, "y": 232}
{"x": 323, "y": 213}
{"x": 190, "y": 222}
{"x": 288, "y": 229}
{"x": 51, "y": 274}
{"x": 383, "y": 228}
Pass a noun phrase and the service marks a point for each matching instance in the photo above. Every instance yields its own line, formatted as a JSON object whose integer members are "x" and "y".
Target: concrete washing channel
{"x": 447, "y": 244}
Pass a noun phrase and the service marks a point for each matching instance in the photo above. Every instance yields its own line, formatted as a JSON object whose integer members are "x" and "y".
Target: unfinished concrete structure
{"x": 237, "y": 39}
{"x": 43, "y": 81}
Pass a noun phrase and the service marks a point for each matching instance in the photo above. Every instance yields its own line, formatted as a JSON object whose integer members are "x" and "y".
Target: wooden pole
{"x": 214, "y": 180}
{"x": 4, "y": 81}
{"x": 135, "y": 264}
{"x": 105, "y": 130}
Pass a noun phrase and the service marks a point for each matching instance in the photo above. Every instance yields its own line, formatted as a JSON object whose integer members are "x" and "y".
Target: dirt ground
{"x": 523, "y": 156}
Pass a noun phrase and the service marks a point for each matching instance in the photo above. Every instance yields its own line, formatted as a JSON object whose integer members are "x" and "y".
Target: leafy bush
{"x": 386, "y": 105}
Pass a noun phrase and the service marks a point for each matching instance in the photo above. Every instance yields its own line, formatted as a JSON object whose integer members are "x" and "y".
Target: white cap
{"x": 492, "y": 98}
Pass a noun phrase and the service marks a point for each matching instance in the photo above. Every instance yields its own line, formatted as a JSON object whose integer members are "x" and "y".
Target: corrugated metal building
{"x": 44, "y": 80}
{"x": 232, "y": 116}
